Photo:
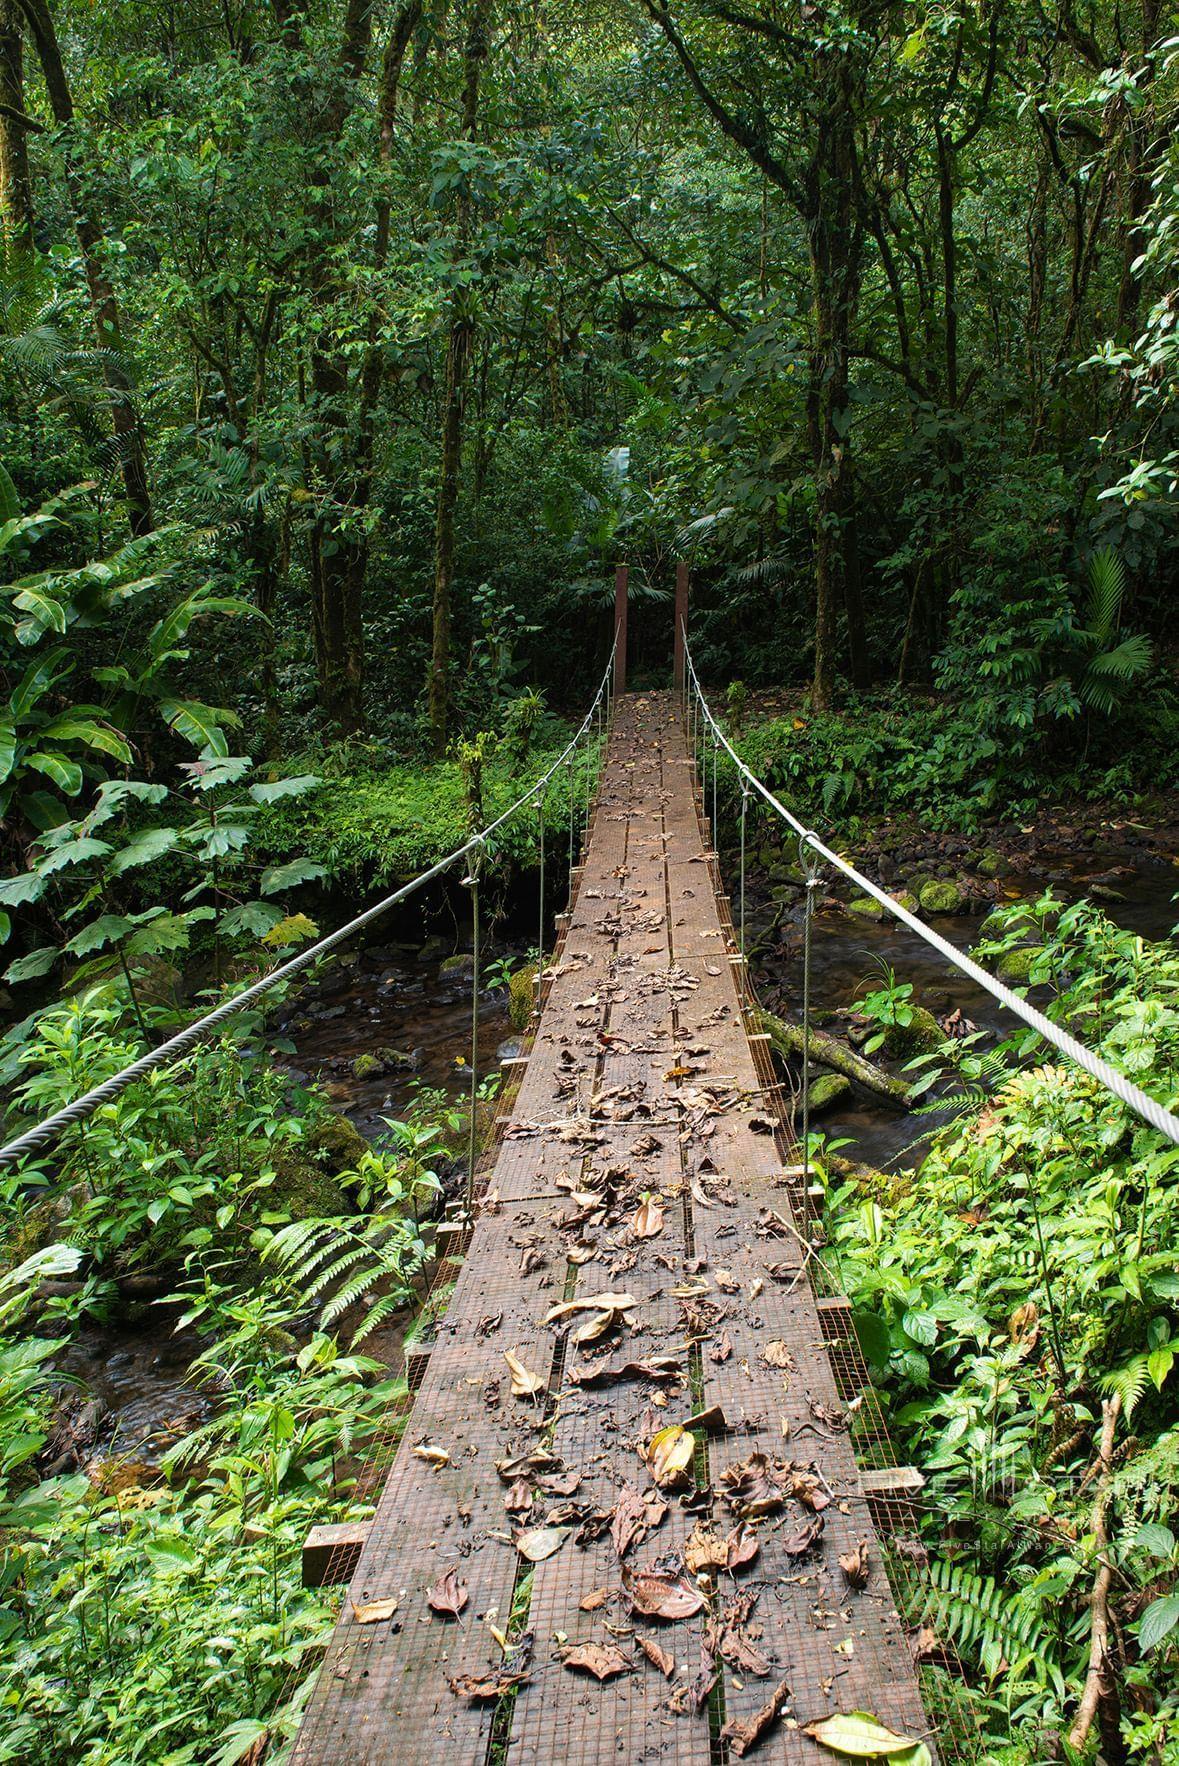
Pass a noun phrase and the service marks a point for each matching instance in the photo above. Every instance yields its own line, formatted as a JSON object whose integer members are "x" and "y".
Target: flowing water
{"x": 397, "y": 1002}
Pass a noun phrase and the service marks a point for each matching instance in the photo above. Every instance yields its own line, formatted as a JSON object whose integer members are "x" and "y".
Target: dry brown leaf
{"x": 449, "y": 1596}
{"x": 635, "y": 1514}
{"x": 776, "y": 1354}
{"x": 519, "y": 1499}
{"x": 741, "y": 1737}
{"x": 656, "y": 1654}
{"x": 647, "y": 1220}
{"x": 752, "y": 1487}
{"x": 524, "y": 1383}
{"x": 485, "y": 1686}
{"x": 371, "y": 1612}
{"x": 661, "y": 1597}
{"x": 855, "y": 1565}
{"x": 721, "y": 1350}
{"x": 597, "y": 1597}
{"x": 593, "y": 1303}
{"x": 727, "y": 1282}
{"x": 799, "y": 1542}
{"x": 705, "y": 1550}
{"x": 602, "y": 1660}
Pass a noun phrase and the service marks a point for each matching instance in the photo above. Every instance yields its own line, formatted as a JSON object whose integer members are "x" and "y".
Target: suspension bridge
{"x": 644, "y": 1200}
{"x": 644, "y": 1505}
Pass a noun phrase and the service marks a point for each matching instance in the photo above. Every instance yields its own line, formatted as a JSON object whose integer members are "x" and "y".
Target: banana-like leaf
{"x": 66, "y": 774}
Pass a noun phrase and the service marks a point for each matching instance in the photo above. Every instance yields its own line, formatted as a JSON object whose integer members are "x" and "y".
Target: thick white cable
{"x": 1114, "y": 1081}
{"x": 93, "y": 1100}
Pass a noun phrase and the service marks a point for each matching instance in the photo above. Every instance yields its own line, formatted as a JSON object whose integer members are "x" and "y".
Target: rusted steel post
{"x": 681, "y": 622}
{"x": 621, "y": 578}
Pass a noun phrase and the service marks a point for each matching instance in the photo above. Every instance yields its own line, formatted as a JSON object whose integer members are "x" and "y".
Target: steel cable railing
{"x": 85, "y": 1106}
{"x": 698, "y": 712}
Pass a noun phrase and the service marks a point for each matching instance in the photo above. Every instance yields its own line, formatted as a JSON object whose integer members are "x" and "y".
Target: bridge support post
{"x": 621, "y": 579}
{"x": 681, "y": 623}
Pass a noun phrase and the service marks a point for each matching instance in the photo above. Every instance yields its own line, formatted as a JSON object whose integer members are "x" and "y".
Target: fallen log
{"x": 786, "y": 1040}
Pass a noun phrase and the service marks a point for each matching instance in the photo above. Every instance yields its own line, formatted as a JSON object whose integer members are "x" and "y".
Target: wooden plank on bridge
{"x": 641, "y": 1083}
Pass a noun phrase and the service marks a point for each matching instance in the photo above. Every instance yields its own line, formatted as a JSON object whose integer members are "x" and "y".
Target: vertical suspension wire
{"x": 540, "y": 802}
{"x": 473, "y": 1132}
{"x": 811, "y": 871}
{"x": 715, "y": 820}
{"x": 569, "y": 782}
{"x": 741, "y": 875}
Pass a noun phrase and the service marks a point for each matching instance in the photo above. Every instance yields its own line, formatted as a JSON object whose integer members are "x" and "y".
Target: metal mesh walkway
{"x": 639, "y": 1161}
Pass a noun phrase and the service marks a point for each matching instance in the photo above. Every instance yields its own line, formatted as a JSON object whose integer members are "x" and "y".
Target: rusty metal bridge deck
{"x": 642, "y": 1081}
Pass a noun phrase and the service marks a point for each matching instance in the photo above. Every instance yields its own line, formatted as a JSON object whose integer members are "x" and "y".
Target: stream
{"x": 408, "y": 1005}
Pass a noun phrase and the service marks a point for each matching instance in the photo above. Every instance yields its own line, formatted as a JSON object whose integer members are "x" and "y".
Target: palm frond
{"x": 1103, "y": 604}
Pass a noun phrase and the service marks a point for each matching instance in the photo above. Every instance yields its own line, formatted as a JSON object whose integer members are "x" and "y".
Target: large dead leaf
{"x": 855, "y": 1565}
{"x": 539, "y": 1543}
{"x": 859, "y": 1736}
{"x": 635, "y": 1514}
{"x": 647, "y": 1220}
{"x": 741, "y": 1737}
{"x": 661, "y": 1597}
{"x": 669, "y": 1455}
{"x": 519, "y": 1498}
{"x": 753, "y": 1487}
{"x": 705, "y": 1550}
{"x": 798, "y": 1543}
{"x": 593, "y": 1303}
{"x": 449, "y": 1596}
{"x": 486, "y": 1686}
{"x": 776, "y": 1354}
{"x": 371, "y": 1612}
{"x": 655, "y": 1653}
{"x": 660, "y": 1368}
{"x": 602, "y": 1660}
{"x": 808, "y": 1487}
{"x": 524, "y": 1383}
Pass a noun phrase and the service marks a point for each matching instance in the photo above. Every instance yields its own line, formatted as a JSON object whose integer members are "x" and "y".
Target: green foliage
{"x": 1023, "y": 1272}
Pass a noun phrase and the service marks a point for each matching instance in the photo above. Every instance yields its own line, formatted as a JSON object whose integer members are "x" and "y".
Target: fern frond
{"x": 1103, "y": 604}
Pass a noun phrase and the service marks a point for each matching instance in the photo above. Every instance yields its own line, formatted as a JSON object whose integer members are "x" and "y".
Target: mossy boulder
{"x": 990, "y": 863}
{"x": 453, "y": 968}
{"x": 367, "y": 1067}
{"x": 521, "y": 996}
{"x": 337, "y": 1142}
{"x": 827, "y": 1091}
{"x": 941, "y": 895}
{"x": 866, "y": 907}
{"x": 303, "y": 1189}
{"x": 905, "y": 898}
{"x": 1016, "y": 965}
{"x": 920, "y": 1036}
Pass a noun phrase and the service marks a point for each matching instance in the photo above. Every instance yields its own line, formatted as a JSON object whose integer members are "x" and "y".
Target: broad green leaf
{"x": 220, "y": 840}
{"x": 206, "y": 775}
{"x": 73, "y": 852}
{"x": 199, "y": 724}
{"x": 112, "y": 793}
{"x": 46, "y": 615}
{"x": 66, "y": 729}
{"x": 107, "y": 929}
{"x": 873, "y": 1335}
{"x": 35, "y": 964}
{"x": 254, "y": 917}
{"x": 66, "y": 774}
{"x": 142, "y": 849}
{"x": 166, "y": 932}
{"x": 9, "y": 501}
{"x": 16, "y": 891}
{"x": 921, "y": 1326}
{"x": 1156, "y": 1539}
{"x": 7, "y": 745}
{"x": 296, "y": 870}
{"x": 270, "y": 793}
{"x": 37, "y": 680}
{"x": 1159, "y": 1364}
{"x": 5, "y": 927}
{"x": 1158, "y": 1621}
{"x": 172, "y": 1553}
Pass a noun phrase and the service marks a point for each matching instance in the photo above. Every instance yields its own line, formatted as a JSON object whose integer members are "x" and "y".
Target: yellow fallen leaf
{"x": 371, "y": 1612}
{"x": 669, "y": 1454}
{"x": 524, "y": 1383}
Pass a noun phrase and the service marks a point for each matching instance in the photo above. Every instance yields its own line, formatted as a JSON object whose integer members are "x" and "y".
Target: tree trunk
{"x": 458, "y": 354}
{"x": 103, "y": 305}
{"x": 16, "y": 185}
{"x": 853, "y": 600}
